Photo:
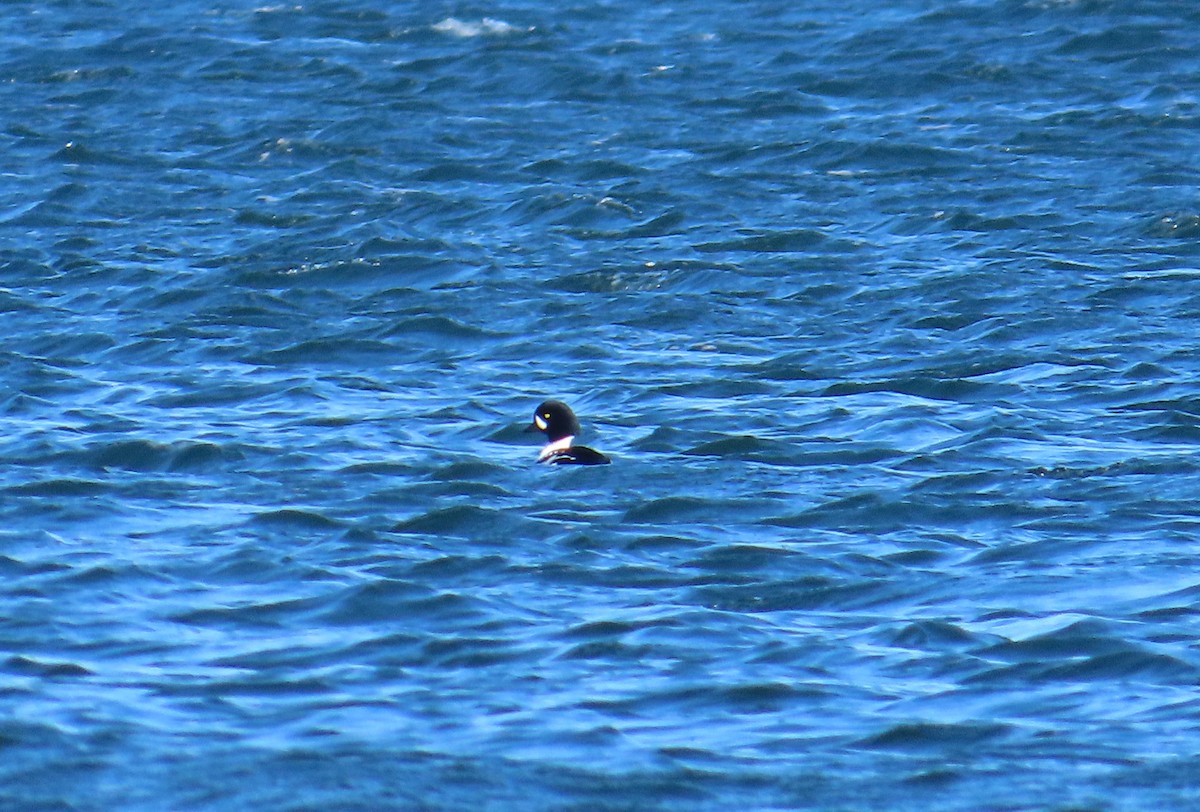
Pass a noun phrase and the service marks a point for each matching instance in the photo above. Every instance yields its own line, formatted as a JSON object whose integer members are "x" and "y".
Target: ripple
{"x": 464, "y": 520}
{"x": 395, "y": 601}
{"x": 748, "y": 448}
{"x": 291, "y": 517}
{"x": 26, "y": 666}
{"x": 146, "y": 455}
{"x": 789, "y": 241}
{"x": 61, "y": 487}
{"x": 925, "y": 735}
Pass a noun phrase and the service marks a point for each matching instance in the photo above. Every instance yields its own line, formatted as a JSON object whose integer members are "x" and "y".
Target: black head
{"x": 556, "y": 419}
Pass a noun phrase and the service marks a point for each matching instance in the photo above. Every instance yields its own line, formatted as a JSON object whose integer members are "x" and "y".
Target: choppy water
{"x": 886, "y": 313}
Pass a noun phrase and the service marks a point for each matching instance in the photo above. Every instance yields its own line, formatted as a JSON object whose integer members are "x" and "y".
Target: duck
{"x": 556, "y": 420}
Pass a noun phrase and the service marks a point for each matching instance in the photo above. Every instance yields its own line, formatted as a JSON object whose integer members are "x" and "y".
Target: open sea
{"x": 888, "y": 315}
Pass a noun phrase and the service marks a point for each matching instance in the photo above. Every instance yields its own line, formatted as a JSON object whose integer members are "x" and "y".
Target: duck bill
{"x": 532, "y": 427}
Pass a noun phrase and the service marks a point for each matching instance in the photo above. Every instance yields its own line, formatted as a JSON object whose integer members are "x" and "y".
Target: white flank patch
{"x": 553, "y": 448}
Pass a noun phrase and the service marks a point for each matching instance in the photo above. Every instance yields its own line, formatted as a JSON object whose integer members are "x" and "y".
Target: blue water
{"x": 886, "y": 313}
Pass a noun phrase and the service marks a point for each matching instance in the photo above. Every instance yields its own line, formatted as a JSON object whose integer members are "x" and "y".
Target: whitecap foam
{"x": 484, "y": 27}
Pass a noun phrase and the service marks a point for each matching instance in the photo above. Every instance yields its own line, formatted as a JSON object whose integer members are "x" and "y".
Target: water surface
{"x": 885, "y": 315}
